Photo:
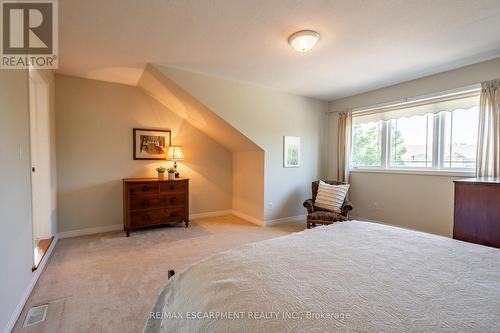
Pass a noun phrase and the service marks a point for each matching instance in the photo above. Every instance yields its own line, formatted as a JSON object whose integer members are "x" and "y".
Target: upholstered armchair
{"x": 316, "y": 215}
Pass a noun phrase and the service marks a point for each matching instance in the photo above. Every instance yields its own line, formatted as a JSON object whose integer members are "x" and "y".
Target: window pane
{"x": 460, "y": 137}
{"x": 366, "y": 144}
{"x": 411, "y": 142}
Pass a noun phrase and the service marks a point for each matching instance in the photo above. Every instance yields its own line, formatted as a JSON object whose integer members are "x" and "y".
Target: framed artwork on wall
{"x": 151, "y": 144}
{"x": 291, "y": 151}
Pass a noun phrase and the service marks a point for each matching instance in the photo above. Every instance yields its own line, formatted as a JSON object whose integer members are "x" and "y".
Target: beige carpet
{"x": 108, "y": 283}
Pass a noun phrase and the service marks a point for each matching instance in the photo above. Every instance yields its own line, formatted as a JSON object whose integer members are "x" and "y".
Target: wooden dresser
{"x": 152, "y": 201}
{"x": 477, "y": 211}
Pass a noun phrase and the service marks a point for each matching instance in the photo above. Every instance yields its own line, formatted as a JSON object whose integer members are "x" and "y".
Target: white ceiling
{"x": 365, "y": 44}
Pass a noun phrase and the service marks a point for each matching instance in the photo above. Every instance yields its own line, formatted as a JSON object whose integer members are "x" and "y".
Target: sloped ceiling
{"x": 365, "y": 44}
{"x": 173, "y": 97}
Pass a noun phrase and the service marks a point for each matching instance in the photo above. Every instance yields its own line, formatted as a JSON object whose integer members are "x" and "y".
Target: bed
{"x": 348, "y": 277}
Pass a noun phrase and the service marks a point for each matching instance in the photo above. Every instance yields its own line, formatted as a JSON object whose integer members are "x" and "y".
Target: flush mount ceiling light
{"x": 303, "y": 40}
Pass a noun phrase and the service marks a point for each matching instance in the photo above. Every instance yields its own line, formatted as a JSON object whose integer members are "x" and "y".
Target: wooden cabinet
{"x": 477, "y": 211}
{"x": 152, "y": 201}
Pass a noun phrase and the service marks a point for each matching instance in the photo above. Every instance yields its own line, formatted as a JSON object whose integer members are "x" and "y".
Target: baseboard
{"x": 209, "y": 214}
{"x": 36, "y": 274}
{"x": 90, "y": 231}
{"x": 295, "y": 218}
{"x": 116, "y": 227}
{"x": 247, "y": 217}
{"x": 359, "y": 218}
{"x": 269, "y": 222}
{"x": 362, "y": 219}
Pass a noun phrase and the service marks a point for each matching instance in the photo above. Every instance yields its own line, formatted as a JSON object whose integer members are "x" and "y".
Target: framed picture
{"x": 151, "y": 144}
{"x": 291, "y": 151}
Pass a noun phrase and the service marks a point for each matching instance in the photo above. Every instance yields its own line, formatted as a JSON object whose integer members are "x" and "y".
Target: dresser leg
{"x": 127, "y": 232}
{"x": 186, "y": 223}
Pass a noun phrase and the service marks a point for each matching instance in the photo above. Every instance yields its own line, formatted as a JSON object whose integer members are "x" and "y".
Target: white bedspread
{"x": 349, "y": 277}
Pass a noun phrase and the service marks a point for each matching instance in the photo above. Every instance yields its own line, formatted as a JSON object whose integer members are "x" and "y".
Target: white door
{"x": 40, "y": 156}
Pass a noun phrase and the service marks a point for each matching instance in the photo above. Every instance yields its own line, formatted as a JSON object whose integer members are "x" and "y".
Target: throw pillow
{"x": 331, "y": 197}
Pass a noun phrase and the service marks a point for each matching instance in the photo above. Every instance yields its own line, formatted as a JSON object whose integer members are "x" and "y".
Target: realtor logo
{"x": 29, "y": 34}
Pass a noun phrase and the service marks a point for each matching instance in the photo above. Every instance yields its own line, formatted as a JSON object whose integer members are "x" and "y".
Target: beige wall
{"x": 420, "y": 202}
{"x": 94, "y": 152}
{"x": 154, "y": 83}
{"x": 265, "y": 116}
{"x": 16, "y": 251}
{"x": 248, "y": 183}
{"x": 417, "y": 202}
{"x": 16, "y": 238}
{"x": 49, "y": 77}
{"x": 457, "y": 78}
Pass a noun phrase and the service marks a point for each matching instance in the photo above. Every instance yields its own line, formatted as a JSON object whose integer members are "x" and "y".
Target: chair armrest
{"x": 309, "y": 206}
{"x": 346, "y": 207}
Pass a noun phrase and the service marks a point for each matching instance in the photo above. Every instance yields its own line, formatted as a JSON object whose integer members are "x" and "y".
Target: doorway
{"x": 41, "y": 196}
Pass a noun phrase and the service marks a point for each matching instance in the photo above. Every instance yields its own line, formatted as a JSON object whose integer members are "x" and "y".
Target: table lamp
{"x": 175, "y": 154}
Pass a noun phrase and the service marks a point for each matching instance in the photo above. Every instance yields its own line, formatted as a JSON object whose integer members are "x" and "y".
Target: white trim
{"x": 450, "y": 173}
{"x": 385, "y": 137}
{"x": 117, "y": 227}
{"x": 438, "y": 136}
{"x": 90, "y": 231}
{"x": 295, "y": 218}
{"x": 247, "y": 217}
{"x": 36, "y": 274}
{"x": 209, "y": 214}
{"x": 267, "y": 223}
{"x": 362, "y": 219}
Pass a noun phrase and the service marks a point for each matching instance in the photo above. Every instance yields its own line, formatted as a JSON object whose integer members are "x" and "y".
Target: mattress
{"x": 347, "y": 277}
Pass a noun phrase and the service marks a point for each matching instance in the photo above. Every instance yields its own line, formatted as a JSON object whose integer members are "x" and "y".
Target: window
{"x": 367, "y": 144}
{"x": 411, "y": 141}
{"x": 436, "y": 134}
{"x": 460, "y": 138}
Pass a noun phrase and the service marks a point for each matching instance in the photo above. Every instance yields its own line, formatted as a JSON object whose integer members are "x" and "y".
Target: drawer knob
{"x": 173, "y": 214}
{"x": 145, "y": 203}
{"x": 173, "y": 199}
{"x": 171, "y": 187}
{"x": 145, "y": 188}
{"x": 145, "y": 217}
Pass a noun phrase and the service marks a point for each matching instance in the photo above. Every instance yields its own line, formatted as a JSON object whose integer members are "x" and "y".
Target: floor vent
{"x": 36, "y": 315}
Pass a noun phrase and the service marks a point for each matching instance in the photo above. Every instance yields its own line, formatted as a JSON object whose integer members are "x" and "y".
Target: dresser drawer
{"x": 173, "y": 186}
{"x": 146, "y": 202}
{"x": 157, "y": 216}
{"x": 154, "y": 201}
{"x": 163, "y": 200}
{"x": 174, "y": 199}
{"x": 144, "y": 188}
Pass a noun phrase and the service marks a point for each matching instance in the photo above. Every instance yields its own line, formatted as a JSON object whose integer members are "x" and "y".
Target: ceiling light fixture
{"x": 303, "y": 40}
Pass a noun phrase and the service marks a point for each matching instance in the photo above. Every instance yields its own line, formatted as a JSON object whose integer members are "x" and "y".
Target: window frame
{"x": 389, "y": 141}
{"x": 438, "y": 151}
{"x": 381, "y": 126}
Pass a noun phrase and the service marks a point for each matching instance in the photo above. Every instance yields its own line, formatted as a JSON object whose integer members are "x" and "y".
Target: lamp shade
{"x": 175, "y": 153}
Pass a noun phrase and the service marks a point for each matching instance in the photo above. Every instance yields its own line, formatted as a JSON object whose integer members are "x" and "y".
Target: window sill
{"x": 450, "y": 173}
